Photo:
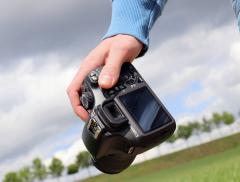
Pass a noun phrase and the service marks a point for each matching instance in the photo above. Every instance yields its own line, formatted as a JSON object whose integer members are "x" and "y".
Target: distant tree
{"x": 56, "y": 167}
{"x": 83, "y": 159}
{"x": 25, "y": 174}
{"x": 206, "y": 125}
{"x": 12, "y": 177}
{"x": 184, "y": 131}
{"x": 39, "y": 169}
{"x": 216, "y": 118}
{"x": 172, "y": 139}
{"x": 72, "y": 169}
{"x": 196, "y": 129}
{"x": 195, "y": 126}
{"x": 228, "y": 118}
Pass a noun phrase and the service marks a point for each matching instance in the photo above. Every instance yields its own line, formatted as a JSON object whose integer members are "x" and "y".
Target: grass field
{"x": 223, "y": 167}
{"x": 217, "y": 161}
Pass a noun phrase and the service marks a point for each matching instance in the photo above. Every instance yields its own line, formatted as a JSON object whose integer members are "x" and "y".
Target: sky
{"x": 193, "y": 65}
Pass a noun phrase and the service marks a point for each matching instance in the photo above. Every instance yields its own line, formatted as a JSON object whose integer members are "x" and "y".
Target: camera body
{"x": 125, "y": 120}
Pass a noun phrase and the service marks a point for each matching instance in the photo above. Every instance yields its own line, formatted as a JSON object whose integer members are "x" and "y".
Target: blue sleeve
{"x": 135, "y": 18}
{"x": 236, "y": 7}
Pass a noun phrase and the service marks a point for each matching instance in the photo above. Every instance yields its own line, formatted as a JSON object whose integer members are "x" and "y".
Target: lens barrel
{"x": 113, "y": 164}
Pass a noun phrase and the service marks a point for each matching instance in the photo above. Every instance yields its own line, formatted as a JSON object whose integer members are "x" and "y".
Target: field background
{"x": 218, "y": 161}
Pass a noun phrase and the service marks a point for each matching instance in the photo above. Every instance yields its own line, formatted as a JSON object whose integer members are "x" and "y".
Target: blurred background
{"x": 193, "y": 65}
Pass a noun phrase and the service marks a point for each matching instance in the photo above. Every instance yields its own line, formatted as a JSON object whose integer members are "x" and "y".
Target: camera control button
{"x": 122, "y": 87}
{"x": 93, "y": 76}
{"x": 130, "y": 81}
{"x": 87, "y": 100}
{"x": 117, "y": 89}
{"x": 131, "y": 150}
{"x": 111, "y": 92}
{"x": 140, "y": 80}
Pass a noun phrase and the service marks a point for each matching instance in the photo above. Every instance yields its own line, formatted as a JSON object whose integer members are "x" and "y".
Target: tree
{"x": 195, "y": 126}
{"x": 25, "y": 174}
{"x": 227, "y": 118}
{"x": 56, "y": 167}
{"x": 72, "y": 169}
{"x": 172, "y": 139}
{"x": 12, "y": 177}
{"x": 83, "y": 159}
{"x": 184, "y": 131}
{"x": 216, "y": 118}
{"x": 196, "y": 129}
{"x": 39, "y": 170}
{"x": 206, "y": 125}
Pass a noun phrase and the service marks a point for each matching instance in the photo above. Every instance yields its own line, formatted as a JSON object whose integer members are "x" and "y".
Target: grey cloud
{"x": 180, "y": 16}
{"x": 74, "y": 27}
{"x": 45, "y": 27}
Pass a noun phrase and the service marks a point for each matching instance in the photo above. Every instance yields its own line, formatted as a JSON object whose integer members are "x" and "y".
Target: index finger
{"x": 74, "y": 89}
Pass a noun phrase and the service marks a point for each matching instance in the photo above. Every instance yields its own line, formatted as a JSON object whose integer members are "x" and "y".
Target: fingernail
{"x": 106, "y": 80}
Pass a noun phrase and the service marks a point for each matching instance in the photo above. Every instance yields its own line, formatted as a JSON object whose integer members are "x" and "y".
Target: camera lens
{"x": 113, "y": 164}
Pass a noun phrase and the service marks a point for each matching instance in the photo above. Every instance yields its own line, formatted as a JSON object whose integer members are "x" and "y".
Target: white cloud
{"x": 197, "y": 98}
{"x": 41, "y": 110}
{"x": 208, "y": 56}
{"x": 235, "y": 52}
{"x": 187, "y": 57}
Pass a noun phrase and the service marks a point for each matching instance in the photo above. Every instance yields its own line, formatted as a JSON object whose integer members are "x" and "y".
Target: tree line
{"x": 204, "y": 125}
{"x": 38, "y": 171}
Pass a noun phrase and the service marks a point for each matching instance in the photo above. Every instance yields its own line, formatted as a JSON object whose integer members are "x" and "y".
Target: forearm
{"x": 236, "y": 7}
{"x": 135, "y": 18}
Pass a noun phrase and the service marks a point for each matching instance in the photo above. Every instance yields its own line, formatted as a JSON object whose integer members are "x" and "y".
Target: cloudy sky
{"x": 193, "y": 64}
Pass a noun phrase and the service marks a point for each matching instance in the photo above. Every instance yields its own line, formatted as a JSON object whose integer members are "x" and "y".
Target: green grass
{"x": 215, "y": 161}
{"x": 223, "y": 167}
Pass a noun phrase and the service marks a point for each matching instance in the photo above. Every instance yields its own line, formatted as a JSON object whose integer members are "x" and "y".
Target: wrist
{"x": 135, "y": 18}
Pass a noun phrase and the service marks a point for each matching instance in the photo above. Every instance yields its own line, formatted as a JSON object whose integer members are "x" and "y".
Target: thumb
{"x": 110, "y": 72}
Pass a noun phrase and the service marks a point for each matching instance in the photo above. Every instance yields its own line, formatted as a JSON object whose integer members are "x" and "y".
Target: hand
{"x": 111, "y": 53}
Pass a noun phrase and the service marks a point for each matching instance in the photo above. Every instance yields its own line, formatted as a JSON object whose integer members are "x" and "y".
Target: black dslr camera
{"x": 125, "y": 120}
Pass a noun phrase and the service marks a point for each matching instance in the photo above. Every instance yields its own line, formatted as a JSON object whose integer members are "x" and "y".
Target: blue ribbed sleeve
{"x": 135, "y": 18}
{"x": 236, "y": 7}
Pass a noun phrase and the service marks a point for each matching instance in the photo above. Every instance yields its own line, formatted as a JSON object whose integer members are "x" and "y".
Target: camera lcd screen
{"x": 145, "y": 109}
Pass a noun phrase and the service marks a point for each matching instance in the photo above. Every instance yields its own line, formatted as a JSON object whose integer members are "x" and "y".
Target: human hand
{"x": 111, "y": 53}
